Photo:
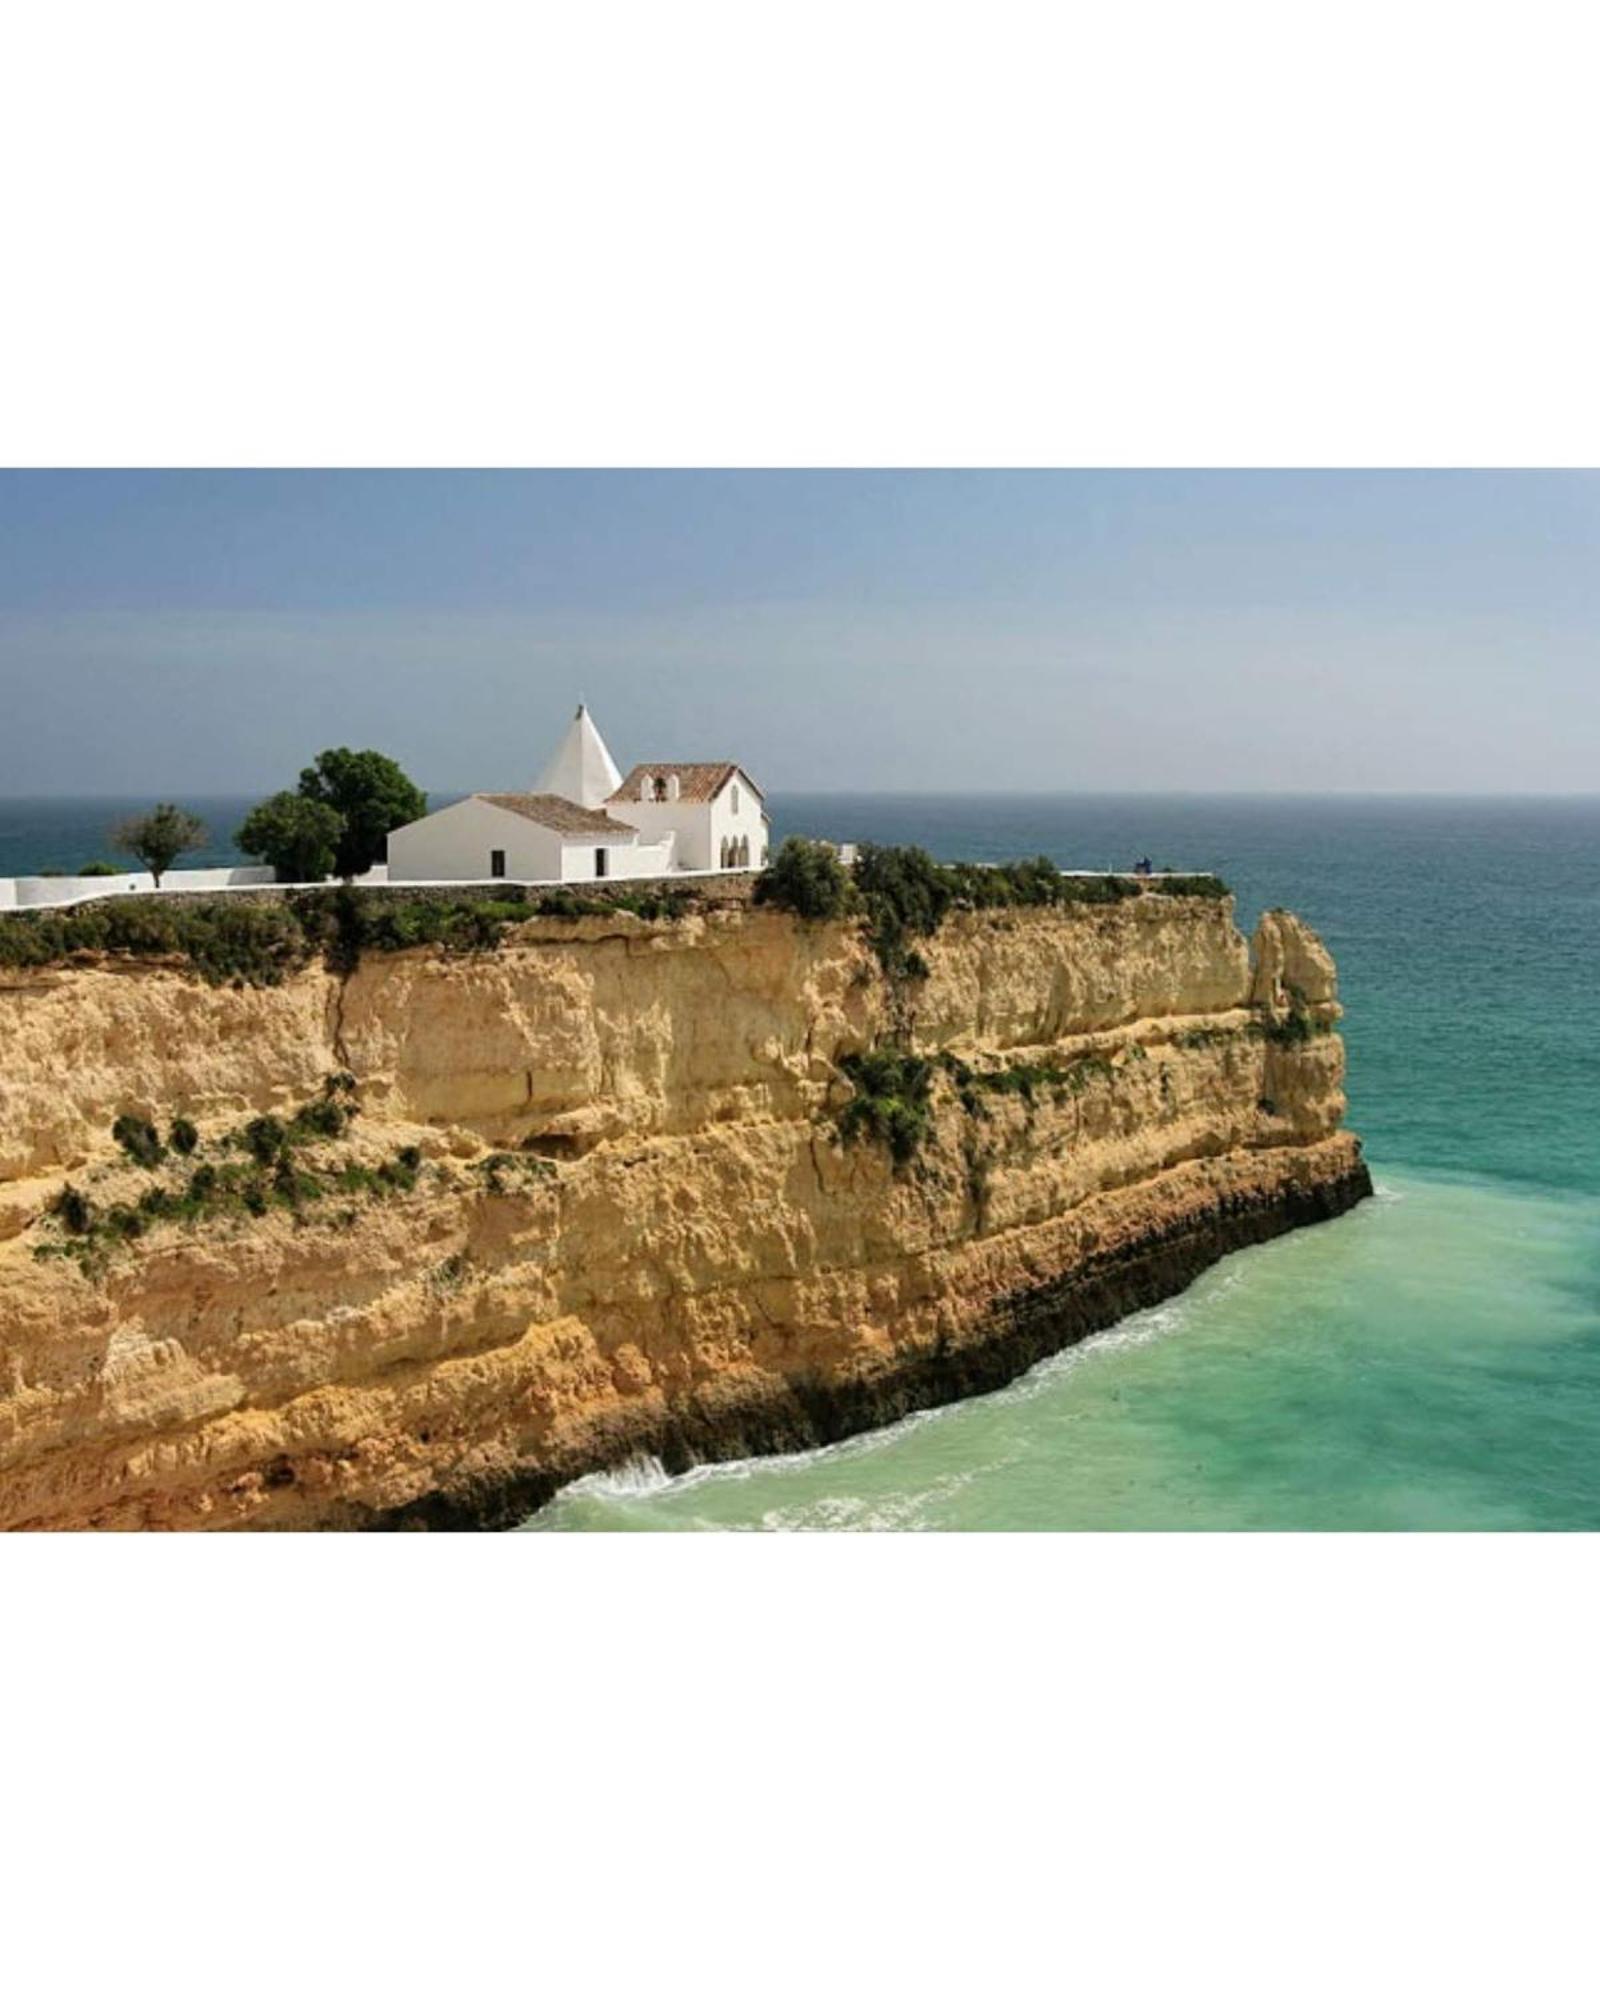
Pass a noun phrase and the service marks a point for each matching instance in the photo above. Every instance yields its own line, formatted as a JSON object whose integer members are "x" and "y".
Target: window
{"x": 733, "y": 799}
{"x": 600, "y": 860}
{"x": 497, "y": 861}
{"x": 661, "y": 791}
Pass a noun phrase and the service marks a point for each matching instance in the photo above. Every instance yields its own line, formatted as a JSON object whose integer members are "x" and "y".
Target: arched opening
{"x": 744, "y": 850}
{"x": 660, "y": 791}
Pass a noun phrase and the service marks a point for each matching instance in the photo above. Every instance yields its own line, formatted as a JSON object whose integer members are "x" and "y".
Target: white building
{"x": 584, "y": 822}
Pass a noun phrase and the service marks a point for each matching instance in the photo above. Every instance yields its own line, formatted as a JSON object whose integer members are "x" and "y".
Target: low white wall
{"x": 44, "y": 892}
{"x": 37, "y": 892}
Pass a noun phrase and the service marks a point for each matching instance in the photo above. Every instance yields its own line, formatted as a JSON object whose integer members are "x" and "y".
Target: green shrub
{"x": 1291, "y": 1029}
{"x": 139, "y": 1139}
{"x": 183, "y": 1135}
{"x": 807, "y": 878}
{"x": 73, "y": 1210}
{"x": 264, "y": 1138}
{"x": 569, "y": 905}
{"x": 1212, "y": 887}
{"x": 99, "y": 868}
{"x": 256, "y": 942}
{"x": 892, "y": 1101}
{"x": 322, "y": 1118}
{"x": 905, "y": 893}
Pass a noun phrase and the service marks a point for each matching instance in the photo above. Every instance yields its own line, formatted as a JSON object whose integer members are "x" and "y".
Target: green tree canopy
{"x": 159, "y": 836}
{"x": 371, "y": 795}
{"x": 297, "y": 836}
{"x": 807, "y": 877}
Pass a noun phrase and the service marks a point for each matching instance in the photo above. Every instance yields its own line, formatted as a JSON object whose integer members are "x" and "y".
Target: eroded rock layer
{"x": 628, "y": 1221}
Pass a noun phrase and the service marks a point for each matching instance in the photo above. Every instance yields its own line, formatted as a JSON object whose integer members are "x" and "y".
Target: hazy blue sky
{"x": 207, "y": 632}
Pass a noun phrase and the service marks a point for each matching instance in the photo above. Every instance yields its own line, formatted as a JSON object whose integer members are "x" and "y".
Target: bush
{"x": 99, "y": 868}
{"x": 73, "y": 1209}
{"x": 254, "y": 942}
{"x": 264, "y": 1138}
{"x": 906, "y": 894}
{"x": 1032, "y": 884}
{"x": 324, "y": 1118}
{"x": 139, "y": 1139}
{"x": 807, "y": 878}
{"x": 1212, "y": 887}
{"x": 296, "y": 836}
{"x": 182, "y": 1135}
{"x": 892, "y": 1101}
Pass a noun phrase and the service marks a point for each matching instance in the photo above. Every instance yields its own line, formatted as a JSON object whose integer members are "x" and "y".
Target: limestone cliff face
{"x": 634, "y": 1225}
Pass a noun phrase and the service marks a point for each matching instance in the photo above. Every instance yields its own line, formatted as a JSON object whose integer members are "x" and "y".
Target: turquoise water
{"x": 1431, "y": 1360}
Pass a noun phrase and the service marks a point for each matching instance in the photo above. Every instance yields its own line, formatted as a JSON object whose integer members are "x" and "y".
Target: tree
{"x": 807, "y": 877}
{"x": 371, "y": 795}
{"x": 159, "y": 836}
{"x": 298, "y": 837}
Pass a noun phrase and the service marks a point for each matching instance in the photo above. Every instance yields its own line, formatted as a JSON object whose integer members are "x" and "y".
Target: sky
{"x": 208, "y": 632}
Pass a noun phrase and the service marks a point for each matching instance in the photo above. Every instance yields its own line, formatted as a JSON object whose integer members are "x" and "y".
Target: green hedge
{"x": 903, "y": 894}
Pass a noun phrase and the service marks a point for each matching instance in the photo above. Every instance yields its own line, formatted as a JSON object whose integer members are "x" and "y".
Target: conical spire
{"x": 581, "y": 770}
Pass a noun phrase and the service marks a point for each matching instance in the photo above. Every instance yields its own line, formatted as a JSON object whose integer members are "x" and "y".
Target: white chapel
{"x": 585, "y": 822}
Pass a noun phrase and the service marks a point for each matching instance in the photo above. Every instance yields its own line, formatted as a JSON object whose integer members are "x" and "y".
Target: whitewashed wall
{"x": 454, "y": 845}
{"x": 625, "y": 861}
{"x": 40, "y": 892}
{"x": 700, "y": 829}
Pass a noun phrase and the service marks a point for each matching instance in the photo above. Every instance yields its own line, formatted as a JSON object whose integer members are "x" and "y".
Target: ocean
{"x": 1431, "y": 1360}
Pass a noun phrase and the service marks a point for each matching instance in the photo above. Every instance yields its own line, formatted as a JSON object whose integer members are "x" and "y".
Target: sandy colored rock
{"x": 698, "y": 1266}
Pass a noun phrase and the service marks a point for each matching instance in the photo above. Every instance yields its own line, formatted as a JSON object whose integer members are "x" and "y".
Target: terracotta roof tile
{"x": 697, "y": 783}
{"x": 560, "y": 815}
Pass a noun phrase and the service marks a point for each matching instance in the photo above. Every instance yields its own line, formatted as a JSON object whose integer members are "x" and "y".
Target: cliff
{"x": 586, "y": 1194}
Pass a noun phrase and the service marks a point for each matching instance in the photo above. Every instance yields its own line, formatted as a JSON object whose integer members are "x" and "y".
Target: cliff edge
{"x": 417, "y": 1241}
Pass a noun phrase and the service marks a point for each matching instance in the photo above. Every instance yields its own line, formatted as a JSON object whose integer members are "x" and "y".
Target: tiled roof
{"x": 560, "y": 815}
{"x": 697, "y": 783}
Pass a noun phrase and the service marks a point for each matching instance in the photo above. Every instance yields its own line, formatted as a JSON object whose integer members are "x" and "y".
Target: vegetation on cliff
{"x": 265, "y": 1164}
{"x": 902, "y": 894}
{"x": 253, "y": 941}
{"x": 891, "y": 1101}
{"x": 273, "y": 1172}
